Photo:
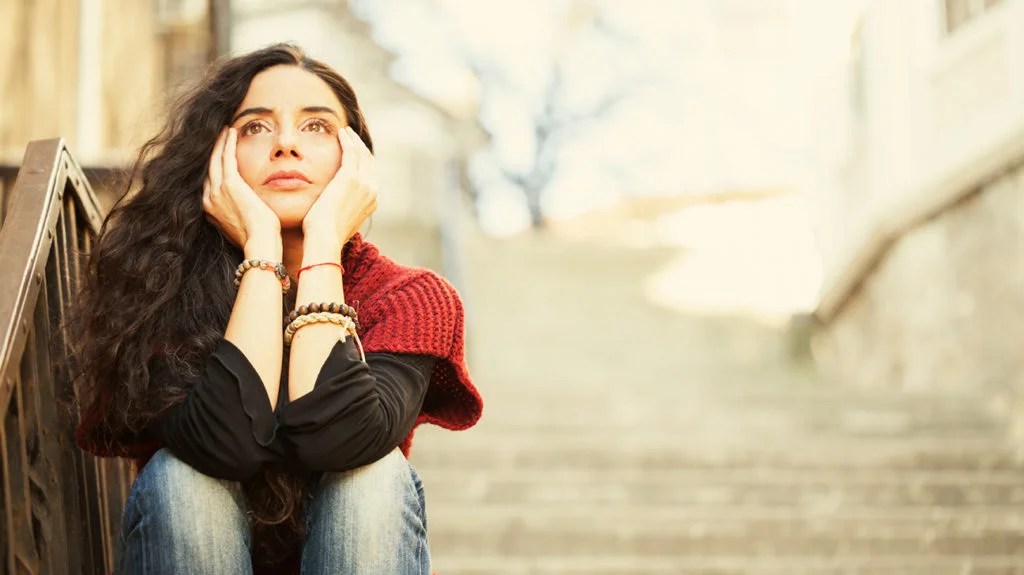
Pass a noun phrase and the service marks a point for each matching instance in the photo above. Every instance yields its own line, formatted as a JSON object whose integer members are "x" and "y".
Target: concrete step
{"x": 501, "y": 453}
{"x": 743, "y": 486}
{"x": 751, "y": 383}
{"x": 747, "y": 531}
{"x": 624, "y": 418}
{"x": 725, "y": 565}
{"x": 592, "y": 411}
{"x": 568, "y": 400}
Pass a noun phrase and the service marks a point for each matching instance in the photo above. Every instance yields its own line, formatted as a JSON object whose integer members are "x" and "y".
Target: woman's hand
{"x": 230, "y": 204}
{"x": 348, "y": 199}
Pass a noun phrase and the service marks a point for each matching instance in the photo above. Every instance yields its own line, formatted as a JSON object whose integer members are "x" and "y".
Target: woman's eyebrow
{"x": 252, "y": 111}
{"x": 260, "y": 111}
{"x": 321, "y": 110}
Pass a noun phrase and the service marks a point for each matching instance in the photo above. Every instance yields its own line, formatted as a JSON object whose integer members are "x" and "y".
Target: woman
{"x": 261, "y": 445}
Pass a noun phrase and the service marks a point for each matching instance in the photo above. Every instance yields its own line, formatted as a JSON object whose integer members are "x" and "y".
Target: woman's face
{"x": 288, "y": 146}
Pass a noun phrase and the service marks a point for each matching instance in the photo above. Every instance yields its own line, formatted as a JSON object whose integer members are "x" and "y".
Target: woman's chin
{"x": 291, "y": 223}
{"x": 290, "y": 210}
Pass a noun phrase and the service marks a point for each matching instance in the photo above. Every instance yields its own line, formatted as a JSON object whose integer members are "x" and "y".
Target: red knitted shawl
{"x": 413, "y": 310}
{"x": 401, "y": 310}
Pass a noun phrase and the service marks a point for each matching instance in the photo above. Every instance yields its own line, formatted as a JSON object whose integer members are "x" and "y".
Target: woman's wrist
{"x": 318, "y": 248}
{"x": 264, "y": 247}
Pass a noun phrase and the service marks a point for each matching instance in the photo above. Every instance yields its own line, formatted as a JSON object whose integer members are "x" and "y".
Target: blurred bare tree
{"x": 555, "y": 118}
{"x": 584, "y": 64}
{"x": 554, "y": 123}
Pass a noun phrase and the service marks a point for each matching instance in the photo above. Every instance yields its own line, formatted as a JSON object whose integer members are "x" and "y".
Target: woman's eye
{"x": 252, "y": 128}
{"x": 318, "y": 127}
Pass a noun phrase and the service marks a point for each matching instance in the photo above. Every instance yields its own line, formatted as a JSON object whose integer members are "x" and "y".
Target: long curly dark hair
{"x": 157, "y": 290}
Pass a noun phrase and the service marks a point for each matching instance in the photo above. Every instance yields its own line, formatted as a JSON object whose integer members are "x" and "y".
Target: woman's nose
{"x": 286, "y": 145}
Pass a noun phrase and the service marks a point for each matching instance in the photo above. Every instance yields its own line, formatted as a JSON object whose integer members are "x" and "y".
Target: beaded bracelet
{"x": 256, "y": 263}
{"x": 325, "y": 317}
{"x": 332, "y": 307}
{"x": 319, "y": 317}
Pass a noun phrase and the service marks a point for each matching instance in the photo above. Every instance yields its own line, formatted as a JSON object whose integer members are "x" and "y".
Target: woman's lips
{"x": 286, "y": 183}
{"x": 288, "y": 180}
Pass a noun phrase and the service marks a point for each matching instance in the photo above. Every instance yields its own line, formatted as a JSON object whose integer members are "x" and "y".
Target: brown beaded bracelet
{"x": 319, "y": 317}
{"x": 342, "y": 320}
{"x": 333, "y": 307}
{"x": 256, "y": 263}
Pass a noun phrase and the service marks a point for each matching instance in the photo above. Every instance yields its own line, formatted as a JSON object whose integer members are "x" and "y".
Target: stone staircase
{"x": 621, "y": 438}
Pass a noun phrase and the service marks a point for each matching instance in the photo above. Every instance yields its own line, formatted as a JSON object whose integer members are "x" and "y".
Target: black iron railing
{"x": 60, "y": 507}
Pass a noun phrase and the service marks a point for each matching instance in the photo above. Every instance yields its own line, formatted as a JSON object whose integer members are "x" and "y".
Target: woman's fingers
{"x": 216, "y": 172}
{"x": 355, "y": 138}
{"x": 366, "y": 163}
{"x": 214, "y": 175}
{"x": 346, "y": 153}
{"x": 367, "y": 174}
{"x": 356, "y": 150}
{"x": 350, "y": 196}
{"x": 364, "y": 167}
{"x": 360, "y": 146}
{"x": 352, "y": 155}
{"x": 230, "y": 161}
{"x": 207, "y": 201}
{"x": 343, "y": 168}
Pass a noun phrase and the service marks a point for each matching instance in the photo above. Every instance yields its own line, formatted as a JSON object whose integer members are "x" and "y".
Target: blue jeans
{"x": 370, "y": 520}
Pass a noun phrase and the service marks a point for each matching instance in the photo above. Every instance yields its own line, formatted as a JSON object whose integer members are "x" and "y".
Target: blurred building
{"x": 421, "y": 146}
{"x": 98, "y": 73}
{"x": 925, "y": 288}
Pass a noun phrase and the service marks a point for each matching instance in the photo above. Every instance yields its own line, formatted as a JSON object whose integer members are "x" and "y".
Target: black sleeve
{"x": 357, "y": 412}
{"x": 225, "y": 427}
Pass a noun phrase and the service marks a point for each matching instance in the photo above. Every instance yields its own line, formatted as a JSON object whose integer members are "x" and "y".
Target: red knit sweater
{"x": 410, "y": 310}
{"x": 401, "y": 310}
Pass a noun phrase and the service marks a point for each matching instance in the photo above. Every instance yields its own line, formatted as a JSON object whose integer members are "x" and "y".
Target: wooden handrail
{"x": 47, "y": 172}
{"x": 59, "y": 507}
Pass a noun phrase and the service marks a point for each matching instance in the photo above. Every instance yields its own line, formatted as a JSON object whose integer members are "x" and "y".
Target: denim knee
{"x": 368, "y": 520}
{"x": 177, "y": 518}
{"x": 375, "y": 485}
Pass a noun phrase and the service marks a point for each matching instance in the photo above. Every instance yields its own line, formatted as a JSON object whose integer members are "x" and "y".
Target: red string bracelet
{"x": 299, "y": 274}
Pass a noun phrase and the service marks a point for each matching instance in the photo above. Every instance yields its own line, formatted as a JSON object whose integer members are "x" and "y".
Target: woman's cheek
{"x": 329, "y": 159}
{"x": 247, "y": 156}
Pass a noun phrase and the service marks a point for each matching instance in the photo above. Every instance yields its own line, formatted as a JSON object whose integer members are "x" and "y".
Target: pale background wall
{"x": 925, "y": 290}
{"x": 930, "y": 114}
{"x": 96, "y": 72}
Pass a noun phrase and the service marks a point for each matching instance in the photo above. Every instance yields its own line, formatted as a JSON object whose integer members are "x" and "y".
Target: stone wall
{"x": 944, "y": 309}
{"x": 38, "y": 72}
{"x": 100, "y": 78}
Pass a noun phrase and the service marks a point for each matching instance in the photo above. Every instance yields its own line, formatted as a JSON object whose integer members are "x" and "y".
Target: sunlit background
{"x": 743, "y": 278}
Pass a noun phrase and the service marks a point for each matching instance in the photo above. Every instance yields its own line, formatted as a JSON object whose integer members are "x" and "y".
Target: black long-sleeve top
{"x": 355, "y": 414}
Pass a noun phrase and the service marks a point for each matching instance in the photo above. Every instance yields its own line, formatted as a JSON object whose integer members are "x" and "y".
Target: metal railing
{"x": 60, "y": 506}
